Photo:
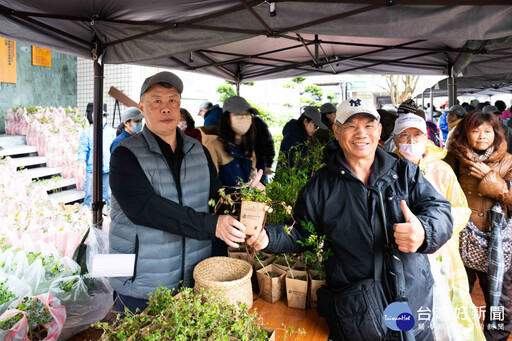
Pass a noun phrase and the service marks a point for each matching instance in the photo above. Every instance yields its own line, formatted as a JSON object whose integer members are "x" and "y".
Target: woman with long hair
{"x": 478, "y": 155}
{"x": 233, "y": 151}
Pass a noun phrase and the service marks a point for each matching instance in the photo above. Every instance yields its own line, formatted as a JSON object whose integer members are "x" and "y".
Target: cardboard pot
{"x": 297, "y": 289}
{"x": 238, "y": 253}
{"x": 314, "y": 285}
{"x": 252, "y": 215}
{"x": 271, "y": 288}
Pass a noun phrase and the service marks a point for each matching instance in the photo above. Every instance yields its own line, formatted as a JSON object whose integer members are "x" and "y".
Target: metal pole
{"x": 97, "y": 155}
{"x": 432, "y": 103}
{"x": 423, "y": 100}
{"x": 451, "y": 86}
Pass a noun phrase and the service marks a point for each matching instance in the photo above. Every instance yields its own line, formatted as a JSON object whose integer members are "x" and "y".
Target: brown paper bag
{"x": 239, "y": 253}
{"x": 314, "y": 285}
{"x": 297, "y": 289}
{"x": 272, "y": 289}
{"x": 252, "y": 215}
{"x": 299, "y": 266}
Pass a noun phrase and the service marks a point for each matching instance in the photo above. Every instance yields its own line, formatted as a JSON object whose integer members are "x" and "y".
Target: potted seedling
{"x": 254, "y": 206}
{"x": 314, "y": 257}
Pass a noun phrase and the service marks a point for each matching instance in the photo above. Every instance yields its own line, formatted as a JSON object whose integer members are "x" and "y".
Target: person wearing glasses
{"x": 360, "y": 193}
{"x": 233, "y": 151}
{"x": 297, "y": 133}
{"x": 452, "y": 314}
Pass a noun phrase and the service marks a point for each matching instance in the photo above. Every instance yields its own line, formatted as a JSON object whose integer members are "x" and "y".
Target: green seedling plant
{"x": 315, "y": 253}
{"x": 37, "y": 314}
{"x": 186, "y": 316}
{"x": 5, "y": 294}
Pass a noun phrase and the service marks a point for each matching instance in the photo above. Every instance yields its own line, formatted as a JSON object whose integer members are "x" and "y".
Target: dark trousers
{"x": 505, "y": 301}
{"x": 219, "y": 248}
{"x": 131, "y": 303}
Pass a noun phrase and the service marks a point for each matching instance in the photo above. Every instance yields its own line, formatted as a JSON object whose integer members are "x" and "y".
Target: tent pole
{"x": 450, "y": 86}
{"x": 238, "y": 78}
{"x": 432, "y": 103}
{"x": 97, "y": 160}
{"x": 423, "y": 100}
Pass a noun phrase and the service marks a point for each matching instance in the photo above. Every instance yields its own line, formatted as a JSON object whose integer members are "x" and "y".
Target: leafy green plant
{"x": 289, "y": 178}
{"x": 37, "y": 316}
{"x": 316, "y": 253}
{"x": 186, "y": 316}
{"x": 5, "y": 294}
{"x": 244, "y": 192}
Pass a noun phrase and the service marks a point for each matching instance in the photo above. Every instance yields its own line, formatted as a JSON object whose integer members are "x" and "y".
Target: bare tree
{"x": 400, "y": 87}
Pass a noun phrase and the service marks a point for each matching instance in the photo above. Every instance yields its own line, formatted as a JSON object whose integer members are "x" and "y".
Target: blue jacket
{"x": 443, "y": 125}
{"x": 85, "y": 147}
{"x": 212, "y": 116}
{"x": 231, "y": 166}
{"x": 293, "y": 141}
{"x": 124, "y": 135}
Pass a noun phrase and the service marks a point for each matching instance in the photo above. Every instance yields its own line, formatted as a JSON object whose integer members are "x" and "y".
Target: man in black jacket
{"x": 343, "y": 201}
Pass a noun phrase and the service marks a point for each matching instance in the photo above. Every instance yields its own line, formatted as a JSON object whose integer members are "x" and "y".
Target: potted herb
{"x": 314, "y": 257}
{"x": 254, "y": 206}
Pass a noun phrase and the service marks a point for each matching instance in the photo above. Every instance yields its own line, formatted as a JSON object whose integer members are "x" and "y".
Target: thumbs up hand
{"x": 409, "y": 235}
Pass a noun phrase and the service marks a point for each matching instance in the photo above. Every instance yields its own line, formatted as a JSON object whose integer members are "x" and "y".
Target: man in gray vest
{"x": 161, "y": 182}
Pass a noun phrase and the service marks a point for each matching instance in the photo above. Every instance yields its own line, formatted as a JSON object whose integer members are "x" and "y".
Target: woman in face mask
{"x": 187, "y": 125}
{"x": 451, "y": 288}
{"x": 233, "y": 151}
{"x": 131, "y": 124}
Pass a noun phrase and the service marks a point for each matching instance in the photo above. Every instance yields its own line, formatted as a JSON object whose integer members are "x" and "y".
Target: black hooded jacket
{"x": 341, "y": 207}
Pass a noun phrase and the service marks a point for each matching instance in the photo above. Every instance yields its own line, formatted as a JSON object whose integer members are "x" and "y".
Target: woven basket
{"x": 229, "y": 275}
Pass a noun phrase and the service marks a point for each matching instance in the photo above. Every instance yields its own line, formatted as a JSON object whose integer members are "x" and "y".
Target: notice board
{"x": 41, "y": 57}
{"x": 7, "y": 61}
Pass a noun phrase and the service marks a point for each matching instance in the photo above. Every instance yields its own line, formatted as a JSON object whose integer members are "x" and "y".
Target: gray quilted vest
{"x": 161, "y": 258}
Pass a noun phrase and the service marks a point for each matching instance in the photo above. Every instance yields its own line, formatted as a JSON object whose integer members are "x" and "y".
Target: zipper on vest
{"x": 132, "y": 279}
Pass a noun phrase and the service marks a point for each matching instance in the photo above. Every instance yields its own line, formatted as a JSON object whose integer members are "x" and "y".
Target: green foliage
{"x": 5, "y": 294}
{"x": 226, "y": 91}
{"x": 315, "y": 91}
{"x": 37, "y": 314}
{"x": 246, "y": 193}
{"x": 315, "y": 254}
{"x": 290, "y": 178}
{"x": 186, "y": 316}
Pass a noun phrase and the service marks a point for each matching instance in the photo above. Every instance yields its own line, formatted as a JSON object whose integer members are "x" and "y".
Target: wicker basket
{"x": 229, "y": 275}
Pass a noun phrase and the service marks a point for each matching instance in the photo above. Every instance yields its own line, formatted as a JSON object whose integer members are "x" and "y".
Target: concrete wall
{"x": 38, "y": 85}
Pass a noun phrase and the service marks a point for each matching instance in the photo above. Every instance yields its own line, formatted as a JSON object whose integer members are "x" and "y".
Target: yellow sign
{"x": 41, "y": 57}
{"x": 7, "y": 61}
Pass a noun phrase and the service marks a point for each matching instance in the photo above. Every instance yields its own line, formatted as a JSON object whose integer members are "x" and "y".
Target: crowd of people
{"x": 399, "y": 200}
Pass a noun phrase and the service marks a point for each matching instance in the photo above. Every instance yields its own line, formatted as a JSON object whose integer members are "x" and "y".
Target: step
{"x": 67, "y": 196}
{"x": 12, "y": 140}
{"x": 41, "y": 172}
{"x": 17, "y": 150}
{"x": 28, "y": 161}
{"x": 55, "y": 183}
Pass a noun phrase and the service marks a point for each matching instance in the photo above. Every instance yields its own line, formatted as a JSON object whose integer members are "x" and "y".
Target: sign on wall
{"x": 7, "y": 61}
{"x": 41, "y": 57}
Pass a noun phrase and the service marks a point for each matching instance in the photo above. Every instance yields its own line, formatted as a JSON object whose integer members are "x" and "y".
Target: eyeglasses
{"x": 406, "y": 137}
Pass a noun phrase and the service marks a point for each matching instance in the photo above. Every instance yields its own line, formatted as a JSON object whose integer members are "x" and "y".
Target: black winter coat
{"x": 264, "y": 144}
{"x": 341, "y": 207}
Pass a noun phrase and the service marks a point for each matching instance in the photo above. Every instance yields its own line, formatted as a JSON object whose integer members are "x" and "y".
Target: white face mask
{"x": 412, "y": 151}
{"x": 241, "y": 124}
{"x": 182, "y": 125}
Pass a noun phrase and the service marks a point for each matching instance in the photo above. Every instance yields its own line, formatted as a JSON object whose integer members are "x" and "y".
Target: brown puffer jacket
{"x": 482, "y": 194}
